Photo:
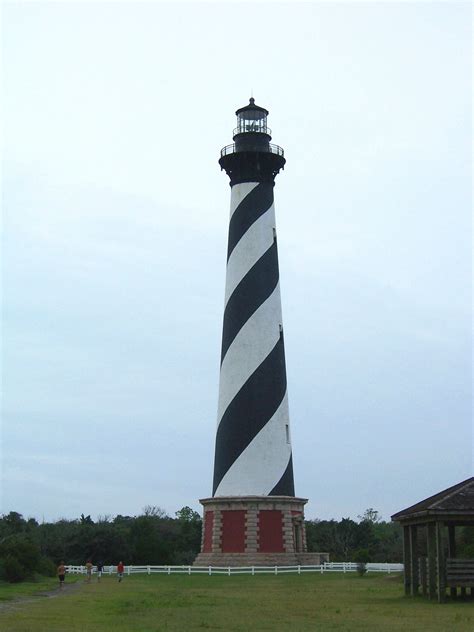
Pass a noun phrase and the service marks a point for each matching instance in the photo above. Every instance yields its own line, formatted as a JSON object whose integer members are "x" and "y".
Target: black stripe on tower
{"x": 253, "y": 290}
{"x": 286, "y": 485}
{"x": 252, "y": 407}
{"x": 254, "y": 205}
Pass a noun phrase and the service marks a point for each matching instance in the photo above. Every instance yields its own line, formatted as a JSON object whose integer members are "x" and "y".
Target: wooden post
{"x": 406, "y": 559}
{"x": 414, "y": 580}
{"x": 441, "y": 563}
{"x": 431, "y": 542}
{"x": 452, "y": 554}
{"x": 451, "y": 541}
{"x": 422, "y": 567}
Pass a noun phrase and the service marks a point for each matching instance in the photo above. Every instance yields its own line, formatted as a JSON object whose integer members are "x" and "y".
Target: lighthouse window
{"x": 287, "y": 429}
{"x": 252, "y": 121}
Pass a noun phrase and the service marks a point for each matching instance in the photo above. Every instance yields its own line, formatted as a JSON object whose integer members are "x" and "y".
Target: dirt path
{"x": 18, "y": 602}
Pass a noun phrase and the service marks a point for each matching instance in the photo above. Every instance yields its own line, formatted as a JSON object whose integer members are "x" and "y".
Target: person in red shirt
{"x": 120, "y": 570}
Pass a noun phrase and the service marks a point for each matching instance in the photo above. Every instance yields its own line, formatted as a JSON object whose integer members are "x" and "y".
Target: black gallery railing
{"x": 270, "y": 148}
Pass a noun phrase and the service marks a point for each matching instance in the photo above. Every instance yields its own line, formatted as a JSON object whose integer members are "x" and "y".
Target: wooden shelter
{"x": 428, "y": 555}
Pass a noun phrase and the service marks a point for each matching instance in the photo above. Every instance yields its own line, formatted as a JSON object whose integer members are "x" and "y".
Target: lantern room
{"x": 252, "y": 119}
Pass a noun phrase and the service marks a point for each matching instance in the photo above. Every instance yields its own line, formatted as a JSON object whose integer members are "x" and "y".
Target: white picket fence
{"x": 327, "y": 567}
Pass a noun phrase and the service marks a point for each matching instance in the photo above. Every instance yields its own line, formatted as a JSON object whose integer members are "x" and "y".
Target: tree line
{"x": 370, "y": 539}
{"x": 153, "y": 537}
{"x": 28, "y": 547}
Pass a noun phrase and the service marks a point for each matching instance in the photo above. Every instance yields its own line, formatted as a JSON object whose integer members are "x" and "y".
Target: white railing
{"x": 328, "y": 567}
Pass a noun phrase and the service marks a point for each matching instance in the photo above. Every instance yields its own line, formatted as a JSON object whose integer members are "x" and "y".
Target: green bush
{"x": 20, "y": 557}
{"x": 361, "y": 556}
{"x": 13, "y": 571}
{"x": 184, "y": 558}
{"x": 46, "y": 567}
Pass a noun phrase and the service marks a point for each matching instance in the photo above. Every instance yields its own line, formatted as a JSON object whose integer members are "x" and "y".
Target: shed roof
{"x": 458, "y": 499}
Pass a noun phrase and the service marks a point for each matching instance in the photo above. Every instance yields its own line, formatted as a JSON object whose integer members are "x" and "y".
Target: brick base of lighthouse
{"x": 255, "y": 531}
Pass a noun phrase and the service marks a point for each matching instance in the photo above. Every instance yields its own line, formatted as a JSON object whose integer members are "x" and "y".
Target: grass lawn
{"x": 26, "y": 589}
{"x": 144, "y": 603}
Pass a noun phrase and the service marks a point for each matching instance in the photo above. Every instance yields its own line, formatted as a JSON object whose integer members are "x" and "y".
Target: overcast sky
{"x": 115, "y": 216}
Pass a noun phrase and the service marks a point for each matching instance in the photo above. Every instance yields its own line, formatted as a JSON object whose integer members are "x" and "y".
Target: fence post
{"x": 322, "y": 568}
{"x": 299, "y": 568}
{"x": 276, "y": 570}
{"x": 253, "y": 570}
{"x": 149, "y": 570}
{"x": 210, "y": 570}
{"x": 344, "y": 567}
{"x": 228, "y": 571}
{"x": 189, "y": 570}
{"x": 128, "y": 570}
{"x": 169, "y": 570}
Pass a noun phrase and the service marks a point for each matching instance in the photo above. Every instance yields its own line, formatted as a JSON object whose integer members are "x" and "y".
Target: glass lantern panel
{"x": 252, "y": 121}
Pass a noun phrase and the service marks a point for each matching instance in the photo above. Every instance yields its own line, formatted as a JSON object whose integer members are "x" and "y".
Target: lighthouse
{"x": 253, "y": 516}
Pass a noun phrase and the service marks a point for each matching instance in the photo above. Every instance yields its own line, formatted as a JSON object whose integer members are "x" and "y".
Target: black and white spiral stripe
{"x": 253, "y": 449}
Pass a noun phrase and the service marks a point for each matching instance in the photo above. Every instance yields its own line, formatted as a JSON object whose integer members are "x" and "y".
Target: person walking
{"x": 89, "y": 567}
{"x": 61, "y": 572}
{"x": 120, "y": 570}
{"x": 100, "y": 570}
